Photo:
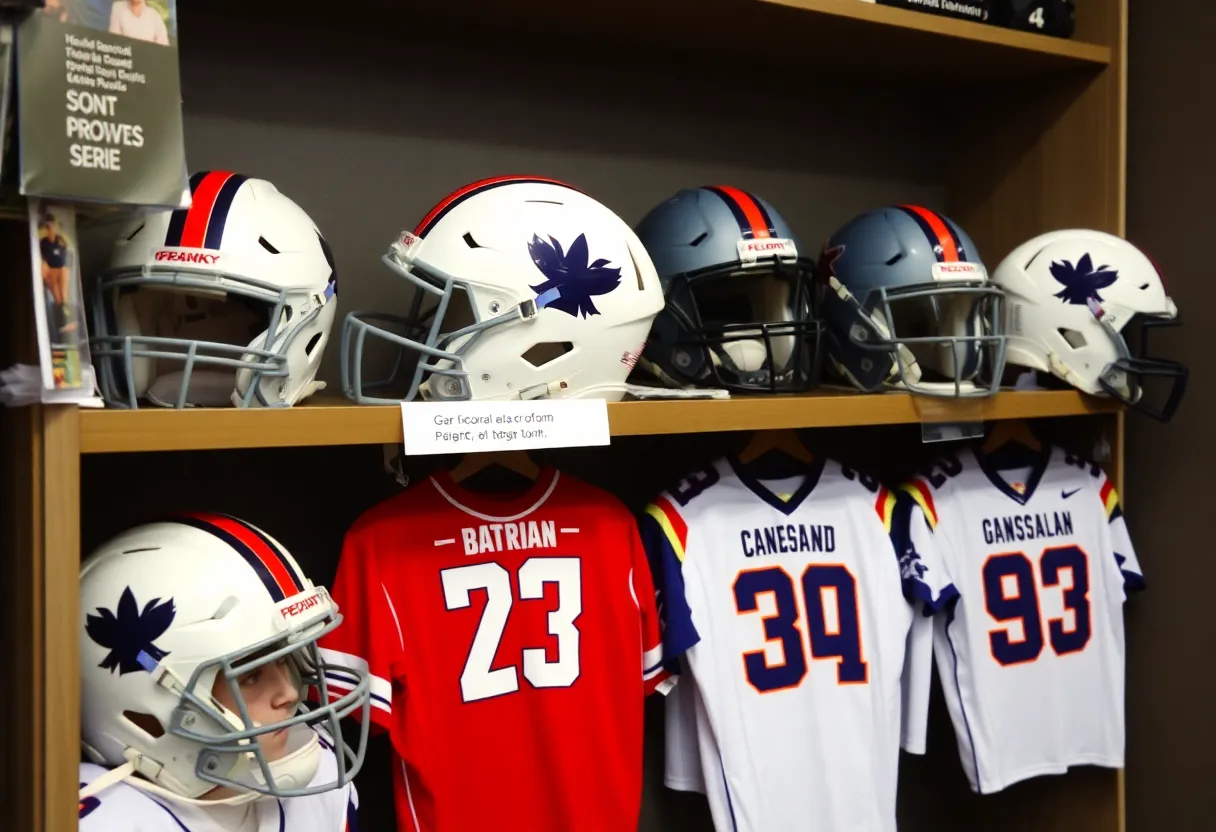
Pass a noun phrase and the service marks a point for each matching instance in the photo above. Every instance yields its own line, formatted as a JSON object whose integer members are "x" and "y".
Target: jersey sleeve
{"x": 1121, "y": 542}
{"x": 369, "y": 637}
{"x": 654, "y": 674}
{"x": 910, "y": 527}
{"x": 916, "y": 682}
{"x": 664, "y": 536}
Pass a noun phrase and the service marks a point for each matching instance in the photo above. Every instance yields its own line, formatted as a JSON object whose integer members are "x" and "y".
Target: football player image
{"x": 135, "y": 19}
{"x": 56, "y": 276}
{"x": 198, "y": 649}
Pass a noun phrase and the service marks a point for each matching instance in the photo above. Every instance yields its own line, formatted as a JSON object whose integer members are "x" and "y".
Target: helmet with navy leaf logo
{"x": 518, "y": 287}
{"x": 174, "y": 613}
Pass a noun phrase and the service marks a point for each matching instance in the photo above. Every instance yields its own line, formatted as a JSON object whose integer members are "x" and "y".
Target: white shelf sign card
{"x": 469, "y": 427}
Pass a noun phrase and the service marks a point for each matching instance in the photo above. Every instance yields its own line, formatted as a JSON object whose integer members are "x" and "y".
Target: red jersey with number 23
{"x": 510, "y": 643}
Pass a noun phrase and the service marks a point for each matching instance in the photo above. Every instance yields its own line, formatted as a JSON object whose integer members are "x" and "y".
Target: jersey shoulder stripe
{"x": 920, "y": 492}
{"x": 673, "y": 525}
{"x": 1110, "y": 500}
{"x": 885, "y": 506}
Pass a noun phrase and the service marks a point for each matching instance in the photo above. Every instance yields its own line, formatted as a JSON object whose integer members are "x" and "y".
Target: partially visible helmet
{"x": 908, "y": 304}
{"x": 523, "y": 288}
{"x": 738, "y": 295}
{"x": 168, "y": 607}
{"x": 1073, "y": 297}
{"x": 227, "y": 302}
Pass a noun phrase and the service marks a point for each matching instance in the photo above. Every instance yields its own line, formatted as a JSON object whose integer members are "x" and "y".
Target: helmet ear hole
{"x": 1073, "y": 338}
{"x": 147, "y": 723}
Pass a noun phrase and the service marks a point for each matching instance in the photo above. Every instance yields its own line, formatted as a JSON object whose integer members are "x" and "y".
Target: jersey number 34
{"x": 829, "y": 596}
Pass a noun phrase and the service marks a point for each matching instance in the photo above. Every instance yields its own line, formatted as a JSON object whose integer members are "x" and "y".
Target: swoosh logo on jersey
{"x": 1066, "y": 494}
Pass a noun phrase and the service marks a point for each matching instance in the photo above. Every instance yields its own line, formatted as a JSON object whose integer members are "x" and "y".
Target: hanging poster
{"x": 99, "y": 98}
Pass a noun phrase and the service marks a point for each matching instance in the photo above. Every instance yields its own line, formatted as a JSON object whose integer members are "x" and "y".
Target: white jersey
{"x": 790, "y": 611}
{"x": 126, "y": 808}
{"x": 1031, "y": 655}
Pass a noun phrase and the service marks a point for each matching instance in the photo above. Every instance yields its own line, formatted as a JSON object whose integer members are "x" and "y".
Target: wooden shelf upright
{"x": 1037, "y": 130}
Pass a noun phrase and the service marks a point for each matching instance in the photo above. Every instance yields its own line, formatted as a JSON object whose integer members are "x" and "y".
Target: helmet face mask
{"x": 522, "y": 288}
{"x": 929, "y": 339}
{"x": 229, "y": 302}
{"x": 744, "y": 330}
{"x": 230, "y": 753}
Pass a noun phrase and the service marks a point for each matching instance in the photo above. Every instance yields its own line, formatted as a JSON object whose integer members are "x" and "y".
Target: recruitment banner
{"x": 99, "y": 98}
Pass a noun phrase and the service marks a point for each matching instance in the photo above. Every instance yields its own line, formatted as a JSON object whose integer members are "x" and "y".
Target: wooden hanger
{"x": 516, "y": 461}
{"x": 785, "y": 441}
{"x": 1011, "y": 430}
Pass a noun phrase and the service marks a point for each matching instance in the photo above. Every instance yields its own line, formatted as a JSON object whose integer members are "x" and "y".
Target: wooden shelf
{"x": 850, "y": 40}
{"x": 935, "y": 32}
{"x": 335, "y": 422}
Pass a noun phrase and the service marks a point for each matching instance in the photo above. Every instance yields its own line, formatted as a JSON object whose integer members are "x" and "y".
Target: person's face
{"x": 270, "y": 695}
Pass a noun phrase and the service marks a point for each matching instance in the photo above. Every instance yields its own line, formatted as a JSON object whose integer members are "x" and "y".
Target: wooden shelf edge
{"x": 957, "y": 28}
{"x": 338, "y": 423}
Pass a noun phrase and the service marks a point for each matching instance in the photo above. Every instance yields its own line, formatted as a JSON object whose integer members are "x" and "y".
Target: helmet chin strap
{"x": 294, "y": 771}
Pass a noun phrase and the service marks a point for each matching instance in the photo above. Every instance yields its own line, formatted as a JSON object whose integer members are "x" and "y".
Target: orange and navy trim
{"x": 673, "y": 525}
{"x": 754, "y": 220}
{"x": 919, "y": 491}
{"x": 202, "y": 224}
{"x": 262, "y": 555}
{"x": 1110, "y": 501}
{"x": 458, "y": 196}
{"x": 940, "y": 232}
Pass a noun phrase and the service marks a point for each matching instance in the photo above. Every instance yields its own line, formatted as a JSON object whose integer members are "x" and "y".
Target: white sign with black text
{"x": 468, "y": 427}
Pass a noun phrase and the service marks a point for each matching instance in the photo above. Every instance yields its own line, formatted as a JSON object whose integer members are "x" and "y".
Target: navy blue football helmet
{"x": 738, "y": 293}
{"x": 907, "y": 304}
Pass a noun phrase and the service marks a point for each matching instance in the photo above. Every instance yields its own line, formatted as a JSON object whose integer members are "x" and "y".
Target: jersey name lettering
{"x": 789, "y": 539}
{"x": 1027, "y": 526}
{"x": 508, "y": 537}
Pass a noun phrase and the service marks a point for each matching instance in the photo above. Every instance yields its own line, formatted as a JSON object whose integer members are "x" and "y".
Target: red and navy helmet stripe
{"x": 456, "y": 197}
{"x": 202, "y": 224}
{"x": 754, "y": 220}
{"x": 942, "y": 239}
{"x": 276, "y": 573}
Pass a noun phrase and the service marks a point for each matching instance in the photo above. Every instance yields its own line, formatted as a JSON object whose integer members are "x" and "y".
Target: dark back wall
{"x": 1171, "y": 213}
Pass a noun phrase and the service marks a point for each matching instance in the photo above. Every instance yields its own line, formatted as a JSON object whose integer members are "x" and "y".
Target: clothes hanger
{"x": 1011, "y": 444}
{"x": 522, "y": 471}
{"x": 775, "y": 454}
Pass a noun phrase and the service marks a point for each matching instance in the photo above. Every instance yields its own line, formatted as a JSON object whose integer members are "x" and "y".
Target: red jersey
{"x": 510, "y": 643}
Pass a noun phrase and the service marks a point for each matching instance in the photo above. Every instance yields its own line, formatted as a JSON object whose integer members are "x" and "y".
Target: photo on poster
{"x": 100, "y": 102}
{"x": 63, "y": 338}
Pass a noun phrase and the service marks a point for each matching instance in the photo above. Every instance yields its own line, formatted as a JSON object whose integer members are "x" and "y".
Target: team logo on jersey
{"x": 131, "y": 632}
{"x": 571, "y": 282}
{"x": 1082, "y": 281}
{"x": 88, "y": 804}
{"x": 911, "y": 565}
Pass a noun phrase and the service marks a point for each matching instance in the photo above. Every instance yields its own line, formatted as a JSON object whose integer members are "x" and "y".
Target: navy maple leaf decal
{"x": 571, "y": 282}
{"x": 130, "y": 632}
{"x": 1082, "y": 281}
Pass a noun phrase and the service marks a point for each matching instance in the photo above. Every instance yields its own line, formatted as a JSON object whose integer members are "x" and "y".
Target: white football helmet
{"x": 228, "y": 302}
{"x": 1070, "y": 298}
{"x": 165, "y": 609}
{"x": 540, "y": 291}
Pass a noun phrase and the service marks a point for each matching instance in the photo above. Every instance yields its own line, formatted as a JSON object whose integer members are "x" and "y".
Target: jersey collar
{"x": 497, "y": 507}
{"x": 1037, "y": 463}
{"x": 786, "y": 507}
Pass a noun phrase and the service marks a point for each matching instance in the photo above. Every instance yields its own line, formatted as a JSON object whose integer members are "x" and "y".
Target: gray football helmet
{"x": 737, "y": 291}
{"x": 908, "y": 304}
